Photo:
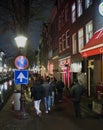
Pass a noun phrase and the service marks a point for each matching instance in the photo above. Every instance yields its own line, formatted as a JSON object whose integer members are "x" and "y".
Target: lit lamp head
{"x": 21, "y": 41}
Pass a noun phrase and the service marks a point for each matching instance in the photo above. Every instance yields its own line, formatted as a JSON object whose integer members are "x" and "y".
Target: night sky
{"x": 7, "y": 43}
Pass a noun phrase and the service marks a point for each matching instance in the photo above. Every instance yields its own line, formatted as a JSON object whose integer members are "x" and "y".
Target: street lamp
{"x": 21, "y": 42}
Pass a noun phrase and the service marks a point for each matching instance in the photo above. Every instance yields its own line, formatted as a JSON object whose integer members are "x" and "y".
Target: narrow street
{"x": 61, "y": 117}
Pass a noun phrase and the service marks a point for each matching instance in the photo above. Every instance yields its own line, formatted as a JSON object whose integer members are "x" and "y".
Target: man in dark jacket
{"x": 60, "y": 86}
{"x": 53, "y": 89}
{"x": 37, "y": 94}
{"x": 76, "y": 92}
{"x": 46, "y": 93}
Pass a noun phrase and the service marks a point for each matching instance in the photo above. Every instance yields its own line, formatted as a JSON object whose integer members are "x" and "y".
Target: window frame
{"x": 64, "y": 41}
{"x": 80, "y": 39}
{"x": 89, "y": 33}
{"x": 60, "y": 44}
{"x": 67, "y": 37}
{"x": 74, "y": 44}
{"x": 73, "y": 11}
{"x": 88, "y": 3}
{"x": 79, "y": 8}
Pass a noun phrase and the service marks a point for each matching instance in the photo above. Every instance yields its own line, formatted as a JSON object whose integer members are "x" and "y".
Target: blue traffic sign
{"x": 21, "y": 62}
{"x": 21, "y": 76}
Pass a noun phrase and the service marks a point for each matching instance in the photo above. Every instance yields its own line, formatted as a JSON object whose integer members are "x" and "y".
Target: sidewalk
{"x": 62, "y": 117}
{"x": 86, "y": 106}
{"x": 9, "y": 119}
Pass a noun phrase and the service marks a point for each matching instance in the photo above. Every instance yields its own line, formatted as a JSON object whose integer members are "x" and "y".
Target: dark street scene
{"x": 51, "y": 64}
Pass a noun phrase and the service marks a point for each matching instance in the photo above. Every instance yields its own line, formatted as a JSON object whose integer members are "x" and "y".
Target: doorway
{"x": 90, "y": 77}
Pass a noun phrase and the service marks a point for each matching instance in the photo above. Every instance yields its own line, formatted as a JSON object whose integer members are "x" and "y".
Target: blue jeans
{"x": 52, "y": 99}
{"x": 47, "y": 103}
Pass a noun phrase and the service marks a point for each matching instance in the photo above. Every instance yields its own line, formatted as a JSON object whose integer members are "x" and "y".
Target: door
{"x": 90, "y": 77}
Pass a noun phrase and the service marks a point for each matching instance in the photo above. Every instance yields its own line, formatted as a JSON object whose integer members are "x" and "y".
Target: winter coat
{"x": 37, "y": 91}
{"x": 53, "y": 86}
{"x": 76, "y": 92}
{"x": 46, "y": 89}
{"x": 60, "y": 85}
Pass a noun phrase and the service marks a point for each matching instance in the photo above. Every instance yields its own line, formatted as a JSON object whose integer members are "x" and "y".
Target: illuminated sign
{"x": 64, "y": 62}
{"x": 101, "y": 8}
{"x": 76, "y": 67}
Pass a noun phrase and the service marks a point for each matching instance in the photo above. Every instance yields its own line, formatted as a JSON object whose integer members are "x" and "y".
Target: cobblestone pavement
{"x": 61, "y": 117}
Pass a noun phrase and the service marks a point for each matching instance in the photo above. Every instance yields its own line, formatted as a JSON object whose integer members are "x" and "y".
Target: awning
{"x": 94, "y": 46}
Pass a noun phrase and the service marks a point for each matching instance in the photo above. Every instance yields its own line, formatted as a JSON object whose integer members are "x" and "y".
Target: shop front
{"x": 93, "y": 53}
{"x": 77, "y": 68}
{"x": 64, "y": 65}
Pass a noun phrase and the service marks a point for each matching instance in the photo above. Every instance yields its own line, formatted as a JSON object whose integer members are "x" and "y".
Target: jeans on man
{"x": 52, "y": 98}
{"x": 47, "y": 103}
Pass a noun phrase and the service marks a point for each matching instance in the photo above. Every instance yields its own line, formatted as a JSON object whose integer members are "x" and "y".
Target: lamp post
{"x": 21, "y": 42}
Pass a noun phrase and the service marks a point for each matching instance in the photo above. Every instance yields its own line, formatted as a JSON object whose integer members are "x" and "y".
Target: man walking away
{"x": 53, "y": 89}
{"x": 37, "y": 94}
{"x": 46, "y": 93}
{"x": 60, "y": 86}
{"x": 76, "y": 92}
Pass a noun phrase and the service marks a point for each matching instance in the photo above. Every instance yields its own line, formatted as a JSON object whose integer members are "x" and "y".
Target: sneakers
{"x": 46, "y": 112}
{"x": 39, "y": 114}
{"x": 49, "y": 109}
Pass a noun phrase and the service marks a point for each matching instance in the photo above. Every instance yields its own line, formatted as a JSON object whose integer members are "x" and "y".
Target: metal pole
{"x": 22, "y": 100}
{"x": 22, "y": 114}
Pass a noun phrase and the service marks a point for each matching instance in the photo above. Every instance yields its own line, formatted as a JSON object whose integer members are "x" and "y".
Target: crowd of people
{"x": 49, "y": 91}
{"x": 45, "y": 90}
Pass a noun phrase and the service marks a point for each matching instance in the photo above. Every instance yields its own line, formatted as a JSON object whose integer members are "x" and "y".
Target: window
{"x": 68, "y": 39}
{"x": 64, "y": 41}
{"x": 80, "y": 39}
{"x": 80, "y": 8}
{"x": 60, "y": 44}
{"x": 67, "y": 12}
{"x": 88, "y": 3}
{"x": 73, "y": 13}
{"x": 89, "y": 31}
{"x": 74, "y": 44}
